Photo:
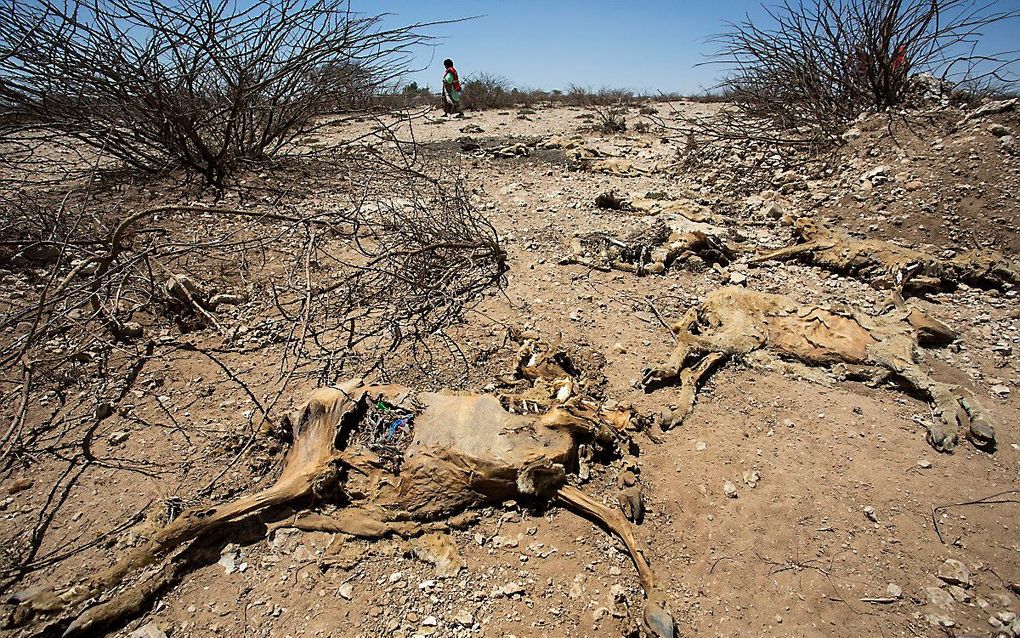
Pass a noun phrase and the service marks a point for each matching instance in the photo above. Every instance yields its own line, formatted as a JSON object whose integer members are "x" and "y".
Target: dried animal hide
{"x": 887, "y": 265}
{"x": 646, "y": 206}
{"x": 466, "y": 450}
{"x": 736, "y": 322}
{"x": 615, "y": 166}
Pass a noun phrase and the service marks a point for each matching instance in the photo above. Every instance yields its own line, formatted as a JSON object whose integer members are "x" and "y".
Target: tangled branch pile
{"x": 206, "y": 86}
{"x": 334, "y": 289}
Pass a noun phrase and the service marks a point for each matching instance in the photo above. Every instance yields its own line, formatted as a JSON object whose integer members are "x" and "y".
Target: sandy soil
{"x": 793, "y": 555}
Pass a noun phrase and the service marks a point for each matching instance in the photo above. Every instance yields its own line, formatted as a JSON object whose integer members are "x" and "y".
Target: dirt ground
{"x": 831, "y": 530}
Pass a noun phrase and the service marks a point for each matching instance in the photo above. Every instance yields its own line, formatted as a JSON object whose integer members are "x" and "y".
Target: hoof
{"x": 981, "y": 434}
{"x": 941, "y": 439}
{"x": 667, "y": 420}
{"x": 658, "y": 621}
{"x": 632, "y": 503}
{"x": 655, "y": 378}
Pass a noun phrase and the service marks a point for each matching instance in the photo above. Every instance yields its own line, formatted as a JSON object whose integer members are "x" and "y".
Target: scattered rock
{"x": 509, "y": 589}
{"x": 940, "y": 620}
{"x": 998, "y": 130}
{"x": 869, "y": 511}
{"x": 959, "y": 593}
{"x": 751, "y": 478}
{"x": 500, "y": 542}
{"x": 924, "y": 463}
{"x": 149, "y": 630}
{"x": 894, "y": 590}
{"x": 955, "y": 573}
{"x": 1002, "y": 600}
{"x": 464, "y": 618}
{"x": 18, "y": 485}
{"x": 877, "y": 175}
{"x": 730, "y": 489}
{"x": 774, "y": 210}
{"x": 229, "y": 557}
{"x": 346, "y": 591}
{"x": 1003, "y": 348}
{"x": 118, "y": 437}
{"x": 939, "y": 597}
{"x": 991, "y": 108}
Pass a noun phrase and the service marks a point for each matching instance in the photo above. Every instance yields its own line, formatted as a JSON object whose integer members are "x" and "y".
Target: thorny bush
{"x": 208, "y": 86}
{"x": 805, "y": 71}
{"x": 335, "y": 290}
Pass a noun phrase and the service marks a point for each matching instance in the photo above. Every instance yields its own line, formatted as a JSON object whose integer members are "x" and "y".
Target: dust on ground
{"x": 831, "y": 527}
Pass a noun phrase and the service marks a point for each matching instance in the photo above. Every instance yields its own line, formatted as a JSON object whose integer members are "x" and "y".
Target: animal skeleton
{"x": 466, "y": 450}
{"x": 652, "y": 249}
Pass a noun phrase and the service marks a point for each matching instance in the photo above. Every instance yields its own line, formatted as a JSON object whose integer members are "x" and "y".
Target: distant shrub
{"x": 486, "y": 91}
{"x": 583, "y": 96}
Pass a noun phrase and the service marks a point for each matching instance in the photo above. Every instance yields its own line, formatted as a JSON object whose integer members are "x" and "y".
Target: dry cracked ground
{"x": 786, "y": 504}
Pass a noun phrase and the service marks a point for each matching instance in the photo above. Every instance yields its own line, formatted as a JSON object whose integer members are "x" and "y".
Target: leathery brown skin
{"x": 886, "y": 264}
{"x": 508, "y": 455}
{"x": 736, "y": 322}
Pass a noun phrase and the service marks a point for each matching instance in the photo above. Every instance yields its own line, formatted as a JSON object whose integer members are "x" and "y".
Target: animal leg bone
{"x": 690, "y": 380}
{"x": 308, "y": 469}
{"x": 957, "y": 411}
{"x": 656, "y": 618}
{"x": 671, "y": 369}
{"x": 981, "y": 431}
{"x": 359, "y": 522}
{"x": 132, "y": 600}
{"x": 790, "y": 252}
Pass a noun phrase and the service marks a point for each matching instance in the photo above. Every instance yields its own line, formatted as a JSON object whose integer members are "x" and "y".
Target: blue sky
{"x": 644, "y": 45}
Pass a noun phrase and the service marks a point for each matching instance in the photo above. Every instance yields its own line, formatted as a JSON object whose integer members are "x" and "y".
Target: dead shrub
{"x": 801, "y": 75}
{"x": 334, "y": 291}
{"x": 486, "y": 91}
{"x": 205, "y": 86}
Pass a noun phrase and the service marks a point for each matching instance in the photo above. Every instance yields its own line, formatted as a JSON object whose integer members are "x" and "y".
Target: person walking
{"x": 451, "y": 90}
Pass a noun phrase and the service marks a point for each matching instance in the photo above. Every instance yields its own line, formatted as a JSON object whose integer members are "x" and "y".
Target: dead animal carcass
{"x": 451, "y": 452}
{"x": 652, "y": 249}
{"x": 765, "y": 329}
{"x": 886, "y": 265}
